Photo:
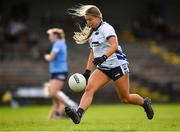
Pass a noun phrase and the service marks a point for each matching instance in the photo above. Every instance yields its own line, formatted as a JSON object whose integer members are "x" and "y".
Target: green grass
{"x": 97, "y": 118}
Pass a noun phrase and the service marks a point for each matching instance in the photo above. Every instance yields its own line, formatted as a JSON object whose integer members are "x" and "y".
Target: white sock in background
{"x": 67, "y": 100}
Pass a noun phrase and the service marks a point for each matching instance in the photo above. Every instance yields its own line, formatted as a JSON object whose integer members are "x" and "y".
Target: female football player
{"x": 111, "y": 63}
{"x": 59, "y": 70}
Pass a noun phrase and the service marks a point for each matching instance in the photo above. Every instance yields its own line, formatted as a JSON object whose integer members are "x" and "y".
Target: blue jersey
{"x": 59, "y": 64}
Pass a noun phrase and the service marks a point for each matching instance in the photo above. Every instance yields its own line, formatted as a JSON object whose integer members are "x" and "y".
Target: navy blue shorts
{"x": 59, "y": 76}
{"x": 117, "y": 72}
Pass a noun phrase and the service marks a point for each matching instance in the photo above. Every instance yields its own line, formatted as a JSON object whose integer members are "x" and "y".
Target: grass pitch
{"x": 97, "y": 118}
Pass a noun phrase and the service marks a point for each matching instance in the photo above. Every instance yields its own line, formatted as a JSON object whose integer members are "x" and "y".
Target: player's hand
{"x": 87, "y": 74}
{"x": 99, "y": 60}
{"x": 46, "y": 57}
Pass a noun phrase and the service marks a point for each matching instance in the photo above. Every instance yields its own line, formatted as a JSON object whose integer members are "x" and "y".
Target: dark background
{"x": 148, "y": 31}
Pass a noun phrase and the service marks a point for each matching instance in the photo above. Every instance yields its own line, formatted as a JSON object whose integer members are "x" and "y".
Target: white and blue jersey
{"x": 59, "y": 64}
{"x": 100, "y": 45}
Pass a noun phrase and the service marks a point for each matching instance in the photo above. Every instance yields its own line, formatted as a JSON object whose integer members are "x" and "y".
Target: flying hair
{"x": 80, "y": 11}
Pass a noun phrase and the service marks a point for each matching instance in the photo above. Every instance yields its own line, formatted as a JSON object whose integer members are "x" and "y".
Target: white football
{"x": 77, "y": 82}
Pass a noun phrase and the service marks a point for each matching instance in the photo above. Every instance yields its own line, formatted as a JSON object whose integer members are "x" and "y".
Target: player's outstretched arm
{"x": 89, "y": 66}
{"x": 90, "y": 61}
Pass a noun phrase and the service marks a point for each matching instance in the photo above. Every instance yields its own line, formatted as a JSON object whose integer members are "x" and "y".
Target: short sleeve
{"x": 56, "y": 48}
{"x": 109, "y": 31}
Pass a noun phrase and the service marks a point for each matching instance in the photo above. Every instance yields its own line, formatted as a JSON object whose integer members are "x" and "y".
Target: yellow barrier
{"x": 167, "y": 56}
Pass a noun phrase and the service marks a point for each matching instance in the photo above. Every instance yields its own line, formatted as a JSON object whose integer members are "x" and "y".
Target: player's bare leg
{"x": 52, "y": 110}
{"x": 54, "y": 87}
{"x": 122, "y": 88}
{"x": 61, "y": 108}
{"x": 101, "y": 79}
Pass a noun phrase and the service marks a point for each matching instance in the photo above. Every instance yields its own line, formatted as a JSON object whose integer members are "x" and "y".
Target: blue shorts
{"x": 117, "y": 72}
{"x": 59, "y": 76}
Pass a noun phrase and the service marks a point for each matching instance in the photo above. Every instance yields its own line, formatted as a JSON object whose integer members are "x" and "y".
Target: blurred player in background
{"x": 58, "y": 69}
{"x": 111, "y": 63}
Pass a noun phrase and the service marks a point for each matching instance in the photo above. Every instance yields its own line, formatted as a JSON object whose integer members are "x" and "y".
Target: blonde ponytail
{"x": 82, "y": 36}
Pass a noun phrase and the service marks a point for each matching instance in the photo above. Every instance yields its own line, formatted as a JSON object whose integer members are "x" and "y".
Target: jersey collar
{"x": 95, "y": 29}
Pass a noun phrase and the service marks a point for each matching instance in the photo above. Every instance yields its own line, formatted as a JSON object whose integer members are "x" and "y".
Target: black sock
{"x": 145, "y": 104}
{"x": 80, "y": 112}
